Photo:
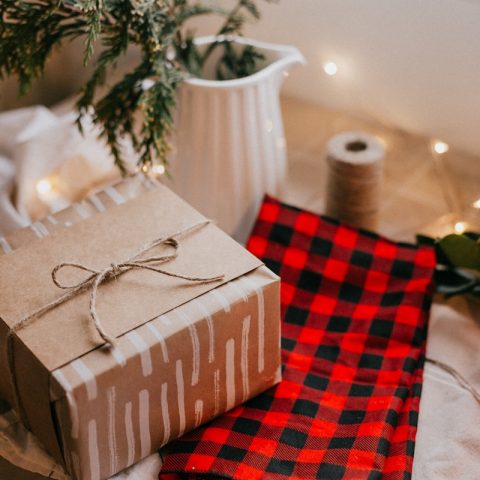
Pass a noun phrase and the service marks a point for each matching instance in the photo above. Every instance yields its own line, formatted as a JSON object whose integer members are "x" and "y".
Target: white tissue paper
{"x": 36, "y": 143}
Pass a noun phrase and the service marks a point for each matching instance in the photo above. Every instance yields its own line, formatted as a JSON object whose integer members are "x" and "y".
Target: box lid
{"x": 67, "y": 332}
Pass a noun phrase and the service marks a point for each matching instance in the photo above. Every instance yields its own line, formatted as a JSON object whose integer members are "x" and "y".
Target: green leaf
{"x": 454, "y": 281}
{"x": 425, "y": 240}
{"x": 461, "y": 251}
{"x": 30, "y": 29}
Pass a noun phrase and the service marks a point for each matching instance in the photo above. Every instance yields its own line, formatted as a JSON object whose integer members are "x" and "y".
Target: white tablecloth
{"x": 448, "y": 436}
{"x": 36, "y": 142}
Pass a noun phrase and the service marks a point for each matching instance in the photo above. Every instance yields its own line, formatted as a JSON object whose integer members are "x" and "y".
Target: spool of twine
{"x": 354, "y": 179}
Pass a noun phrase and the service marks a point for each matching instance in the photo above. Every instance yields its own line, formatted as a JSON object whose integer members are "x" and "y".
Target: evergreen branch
{"x": 30, "y": 29}
{"x": 237, "y": 65}
{"x": 157, "y": 104}
{"x": 233, "y": 24}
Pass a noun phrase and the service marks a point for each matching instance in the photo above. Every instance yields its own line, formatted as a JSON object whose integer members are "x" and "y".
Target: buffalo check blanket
{"x": 354, "y": 309}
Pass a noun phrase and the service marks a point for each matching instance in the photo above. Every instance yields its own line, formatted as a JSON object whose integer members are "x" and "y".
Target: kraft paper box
{"x": 94, "y": 204}
{"x": 185, "y": 352}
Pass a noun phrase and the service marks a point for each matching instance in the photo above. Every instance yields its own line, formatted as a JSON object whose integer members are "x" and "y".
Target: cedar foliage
{"x": 31, "y": 29}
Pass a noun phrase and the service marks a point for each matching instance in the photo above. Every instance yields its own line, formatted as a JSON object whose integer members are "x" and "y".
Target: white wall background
{"x": 414, "y": 64}
{"x": 411, "y": 63}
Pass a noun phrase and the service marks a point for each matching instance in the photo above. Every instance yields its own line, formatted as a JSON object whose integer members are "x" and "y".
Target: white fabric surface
{"x": 448, "y": 436}
{"x": 36, "y": 143}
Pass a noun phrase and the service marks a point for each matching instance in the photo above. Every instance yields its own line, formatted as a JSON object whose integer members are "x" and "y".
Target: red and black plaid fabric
{"x": 354, "y": 309}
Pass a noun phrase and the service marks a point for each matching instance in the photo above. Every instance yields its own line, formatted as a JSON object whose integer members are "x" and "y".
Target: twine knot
{"x": 92, "y": 281}
{"x": 115, "y": 269}
{"x": 96, "y": 277}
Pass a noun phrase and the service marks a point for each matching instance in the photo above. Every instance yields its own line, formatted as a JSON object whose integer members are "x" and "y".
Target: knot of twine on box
{"x": 96, "y": 278}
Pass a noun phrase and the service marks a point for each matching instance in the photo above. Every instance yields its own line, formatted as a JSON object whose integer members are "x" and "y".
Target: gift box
{"x": 193, "y": 338}
{"x": 98, "y": 202}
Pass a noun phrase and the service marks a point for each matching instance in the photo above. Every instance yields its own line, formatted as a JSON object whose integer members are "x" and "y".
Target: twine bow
{"x": 96, "y": 278}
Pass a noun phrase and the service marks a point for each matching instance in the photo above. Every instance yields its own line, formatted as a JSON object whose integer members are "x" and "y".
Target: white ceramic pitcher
{"x": 230, "y": 144}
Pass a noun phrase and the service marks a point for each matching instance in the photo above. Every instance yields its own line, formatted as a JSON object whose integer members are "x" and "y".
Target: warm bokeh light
{"x": 330, "y": 68}
{"x": 158, "y": 169}
{"x": 476, "y": 204}
{"x": 460, "y": 227}
{"x": 440, "y": 147}
{"x": 44, "y": 186}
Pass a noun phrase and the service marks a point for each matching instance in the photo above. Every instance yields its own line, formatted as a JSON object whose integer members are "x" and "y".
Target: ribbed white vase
{"x": 230, "y": 146}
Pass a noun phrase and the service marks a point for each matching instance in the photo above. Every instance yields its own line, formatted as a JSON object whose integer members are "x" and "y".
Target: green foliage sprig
{"x": 30, "y": 29}
{"x": 458, "y": 263}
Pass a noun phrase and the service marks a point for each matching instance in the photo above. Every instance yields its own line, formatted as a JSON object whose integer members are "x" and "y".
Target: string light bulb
{"x": 158, "y": 169}
{"x": 44, "y": 187}
{"x": 49, "y": 192}
{"x": 460, "y": 227}
{"x": 476, "y": 204}
{"x": 330, "y": 68}
{"x": 440, "y": 147}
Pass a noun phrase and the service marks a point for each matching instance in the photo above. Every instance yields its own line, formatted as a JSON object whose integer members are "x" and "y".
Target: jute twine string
{"x": 94, "y": 280}
{"x": 462, "y": 381}
{"x": 354, "y": 176}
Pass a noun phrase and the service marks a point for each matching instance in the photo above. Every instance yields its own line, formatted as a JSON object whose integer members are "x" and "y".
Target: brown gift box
{"x": 185, "y": 351}
{"x": 99, "y": 202}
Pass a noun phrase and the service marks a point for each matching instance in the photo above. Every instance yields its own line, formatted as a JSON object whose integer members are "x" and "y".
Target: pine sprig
{"x": 235, "y": 64}
{"x": 31, "y": 29}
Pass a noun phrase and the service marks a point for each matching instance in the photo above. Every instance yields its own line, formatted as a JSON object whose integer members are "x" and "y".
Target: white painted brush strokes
{"x": 149, "y": 184}
{"x": 230, "y": 373}
{"x": 198, "y": 412}
{"x": 211, "y": 330}
{"x": 163, "y": 345}
{"x": 5, "y": 245}
{"x": 118, "y": 355}
{"x": 81, "y": 210}
{"x": 261, "y": 322}
{"x": 115, "y": 195}
{"x": 216, "y": 391}
{"x": 165, "y": 414}
{"x": 42, "y": 229}
{"x": 180, "y": 396}
{"x": 39, "y": 232}
{"x": 97, "y": 203}
{"x": 236, "y": 286}
{"x": 144, "y": 350}
{"x": 244, "y": 357}
{"x": 129, "y": 433}
{"x": 93, "y": 451}
{"x": 112, "y": 436}
{"x": 52, "y": 220}
{"x": 165, "y": 320}
{"x": 180, "y": 312}
{"x": 88, "y": 378}
{"x": 219, "y": 295}
{"x": 144, "y": 420}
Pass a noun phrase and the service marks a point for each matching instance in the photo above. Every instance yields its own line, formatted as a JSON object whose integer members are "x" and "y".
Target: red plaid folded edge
{"x": 354, "y": 309}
